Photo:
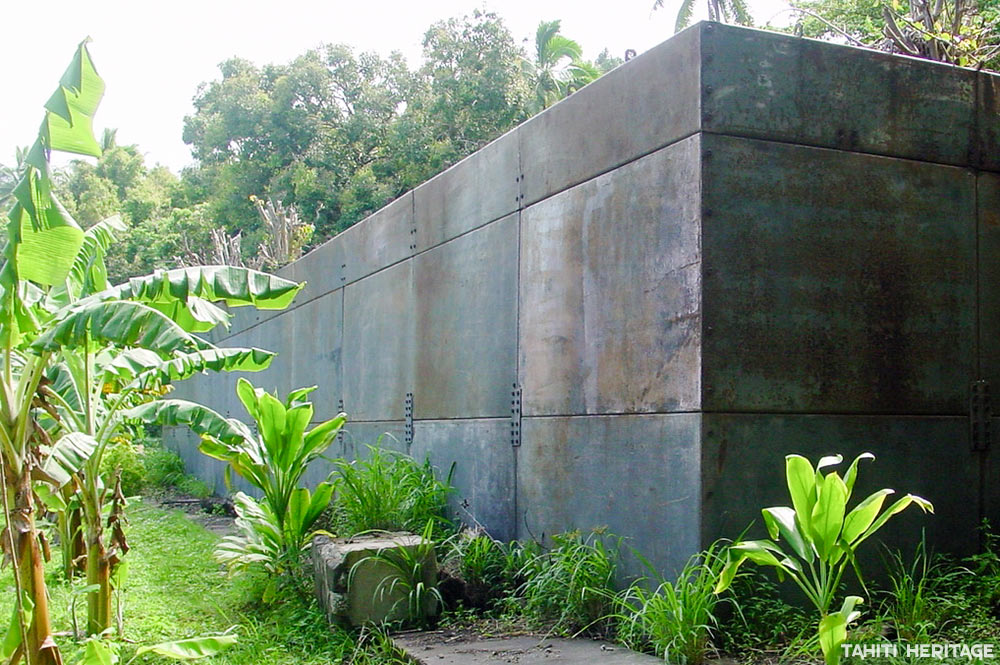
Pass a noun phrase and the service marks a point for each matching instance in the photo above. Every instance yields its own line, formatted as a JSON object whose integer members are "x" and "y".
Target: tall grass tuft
{"x": 571, "y": 585}
{"x": 388, "y": 492}
{"x": 675, "y": 622}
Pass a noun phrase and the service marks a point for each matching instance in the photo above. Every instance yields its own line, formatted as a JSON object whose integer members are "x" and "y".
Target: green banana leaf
{"x": 123, "y": 323}
{"x": 133, "y": 363}
{"x": 201, "y": 419}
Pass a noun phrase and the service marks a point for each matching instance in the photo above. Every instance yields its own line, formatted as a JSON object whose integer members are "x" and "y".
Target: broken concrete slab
{"x": 354, "y": 583}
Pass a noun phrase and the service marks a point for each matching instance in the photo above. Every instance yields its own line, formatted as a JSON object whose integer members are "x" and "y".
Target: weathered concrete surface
{"x": 479, "y": 189}
{"x": 988, "y": 227}
{"x": 355, "y": 585}
{"x": 738, "y": 241}
{"x": 379, "y": 320}
{"x": 610, "y": 291}
{"x": 440, "y": 648}
{"x": 816, "y": 93}
{"x": 630, "y": 112}
{"x": 836, "y": 282}
{"x": 637, "y": 475}
{"x": 743, "y": 467}
{"x": 483, "y": 474}
{"x": 316, "y": 354}
{"x": 379, "y": 241}
{"x": 466, "y": 327}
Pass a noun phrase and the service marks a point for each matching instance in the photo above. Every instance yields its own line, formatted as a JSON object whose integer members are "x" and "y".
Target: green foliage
{"x": 822, "y": 536}
{"x": 125, "y": 457}
{"x": 558, "y": 68}
{"x": 276, "y": 531}
{"x": 677, "y": 621}
{"x": 388, "y": 491}
{"x": 764, "y": 627}
{"x": 174, "y": 592}
{"x": 571, "y": 585}
{"x": 487, "y": 566}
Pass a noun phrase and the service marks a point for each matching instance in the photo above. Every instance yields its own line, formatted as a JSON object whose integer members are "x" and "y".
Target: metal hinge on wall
{"x": 980, "y": 414}
{"x": 408, "y": 411}
{"x": 515, "y": 416}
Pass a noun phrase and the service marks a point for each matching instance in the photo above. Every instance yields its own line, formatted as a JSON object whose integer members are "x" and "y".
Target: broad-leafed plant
{"x": 277, "y": 530}
{"x": 820, "y": 537}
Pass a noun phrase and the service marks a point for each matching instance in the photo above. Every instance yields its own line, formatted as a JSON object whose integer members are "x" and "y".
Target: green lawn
{"x": 175, "y": 589}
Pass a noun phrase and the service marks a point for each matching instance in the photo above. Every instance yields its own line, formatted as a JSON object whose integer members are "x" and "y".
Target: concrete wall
{"x": 627, "y": 310}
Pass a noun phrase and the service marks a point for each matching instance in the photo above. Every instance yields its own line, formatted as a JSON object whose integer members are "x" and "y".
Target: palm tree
{"x": 723, "y": 11}
{"x": 559, "y": 68}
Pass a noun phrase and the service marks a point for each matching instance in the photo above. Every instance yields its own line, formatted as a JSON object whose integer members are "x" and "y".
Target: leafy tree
{"x": 477, "y": 91}
{"x": 963, "y": 32}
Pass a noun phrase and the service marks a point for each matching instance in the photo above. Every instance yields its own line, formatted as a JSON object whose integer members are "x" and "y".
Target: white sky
{"x": 152, "y": 56}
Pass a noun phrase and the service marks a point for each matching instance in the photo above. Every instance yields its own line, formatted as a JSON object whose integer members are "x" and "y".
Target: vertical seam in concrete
{"x": 701, "y": 288}
{"x": 515, "y": 450}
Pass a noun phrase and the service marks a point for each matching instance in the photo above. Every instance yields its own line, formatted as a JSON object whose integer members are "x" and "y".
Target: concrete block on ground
{"x": 442, "y": 648}
{"x": 610, "y": 291}
{"x": 466, "y": 324}
{"x": 354, "y": 585}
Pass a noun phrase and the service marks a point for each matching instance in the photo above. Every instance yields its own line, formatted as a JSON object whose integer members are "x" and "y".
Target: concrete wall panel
{"x": 483, "y": 476}
{"x": 648, "y": 103}
{"x": 315, "y": 360}
{"x": 986, "y": 152}
{"x": 357, "y": 436}
{"x": 767, "y": 85}
{"x": 467, "y": 324}
{"x": 988, "y": 209}
{"x": 379, "y": 324}
{"x": 481, "y": 188}
{"x": 610, "y": 279}
{"x": 835, "y": 281}
{"x": 637, "y": 475}
{"x": 381, "y": 240}
{"x": 743, "y": 467}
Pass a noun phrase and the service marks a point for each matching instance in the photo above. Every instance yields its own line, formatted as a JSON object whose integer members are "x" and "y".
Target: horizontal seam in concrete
{"x": 430, "y": 421}
{"x": 344, "y": 286}
{"x": 615, "y": 167}
{"x": 753, "y": 137}
{"x": 610, "y": 415}
{"x": 837, "y": 414}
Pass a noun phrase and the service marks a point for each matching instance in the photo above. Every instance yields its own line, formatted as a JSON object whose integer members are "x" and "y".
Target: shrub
{"x": 129, "y": 458}
{"x": 388, "y": 492}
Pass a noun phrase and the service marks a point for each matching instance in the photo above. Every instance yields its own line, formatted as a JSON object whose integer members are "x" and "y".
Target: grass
{"x": 677, "y": 621}
{"x": 174, "y": 589}
{"x": 387, "y": 492}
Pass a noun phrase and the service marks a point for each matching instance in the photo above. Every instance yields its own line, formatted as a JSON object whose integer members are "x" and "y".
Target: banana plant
{"x": 42, "y": 243}
{"x": 277, "y": 530}
{"x": 821, "y": 538}
{"x": 56, "y": 312}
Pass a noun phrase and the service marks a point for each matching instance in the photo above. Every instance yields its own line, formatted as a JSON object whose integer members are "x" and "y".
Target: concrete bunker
{"x": 627, "y": 310}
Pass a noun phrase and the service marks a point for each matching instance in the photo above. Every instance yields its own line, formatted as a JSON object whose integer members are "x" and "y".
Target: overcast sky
{"x": 152, "y": 56}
